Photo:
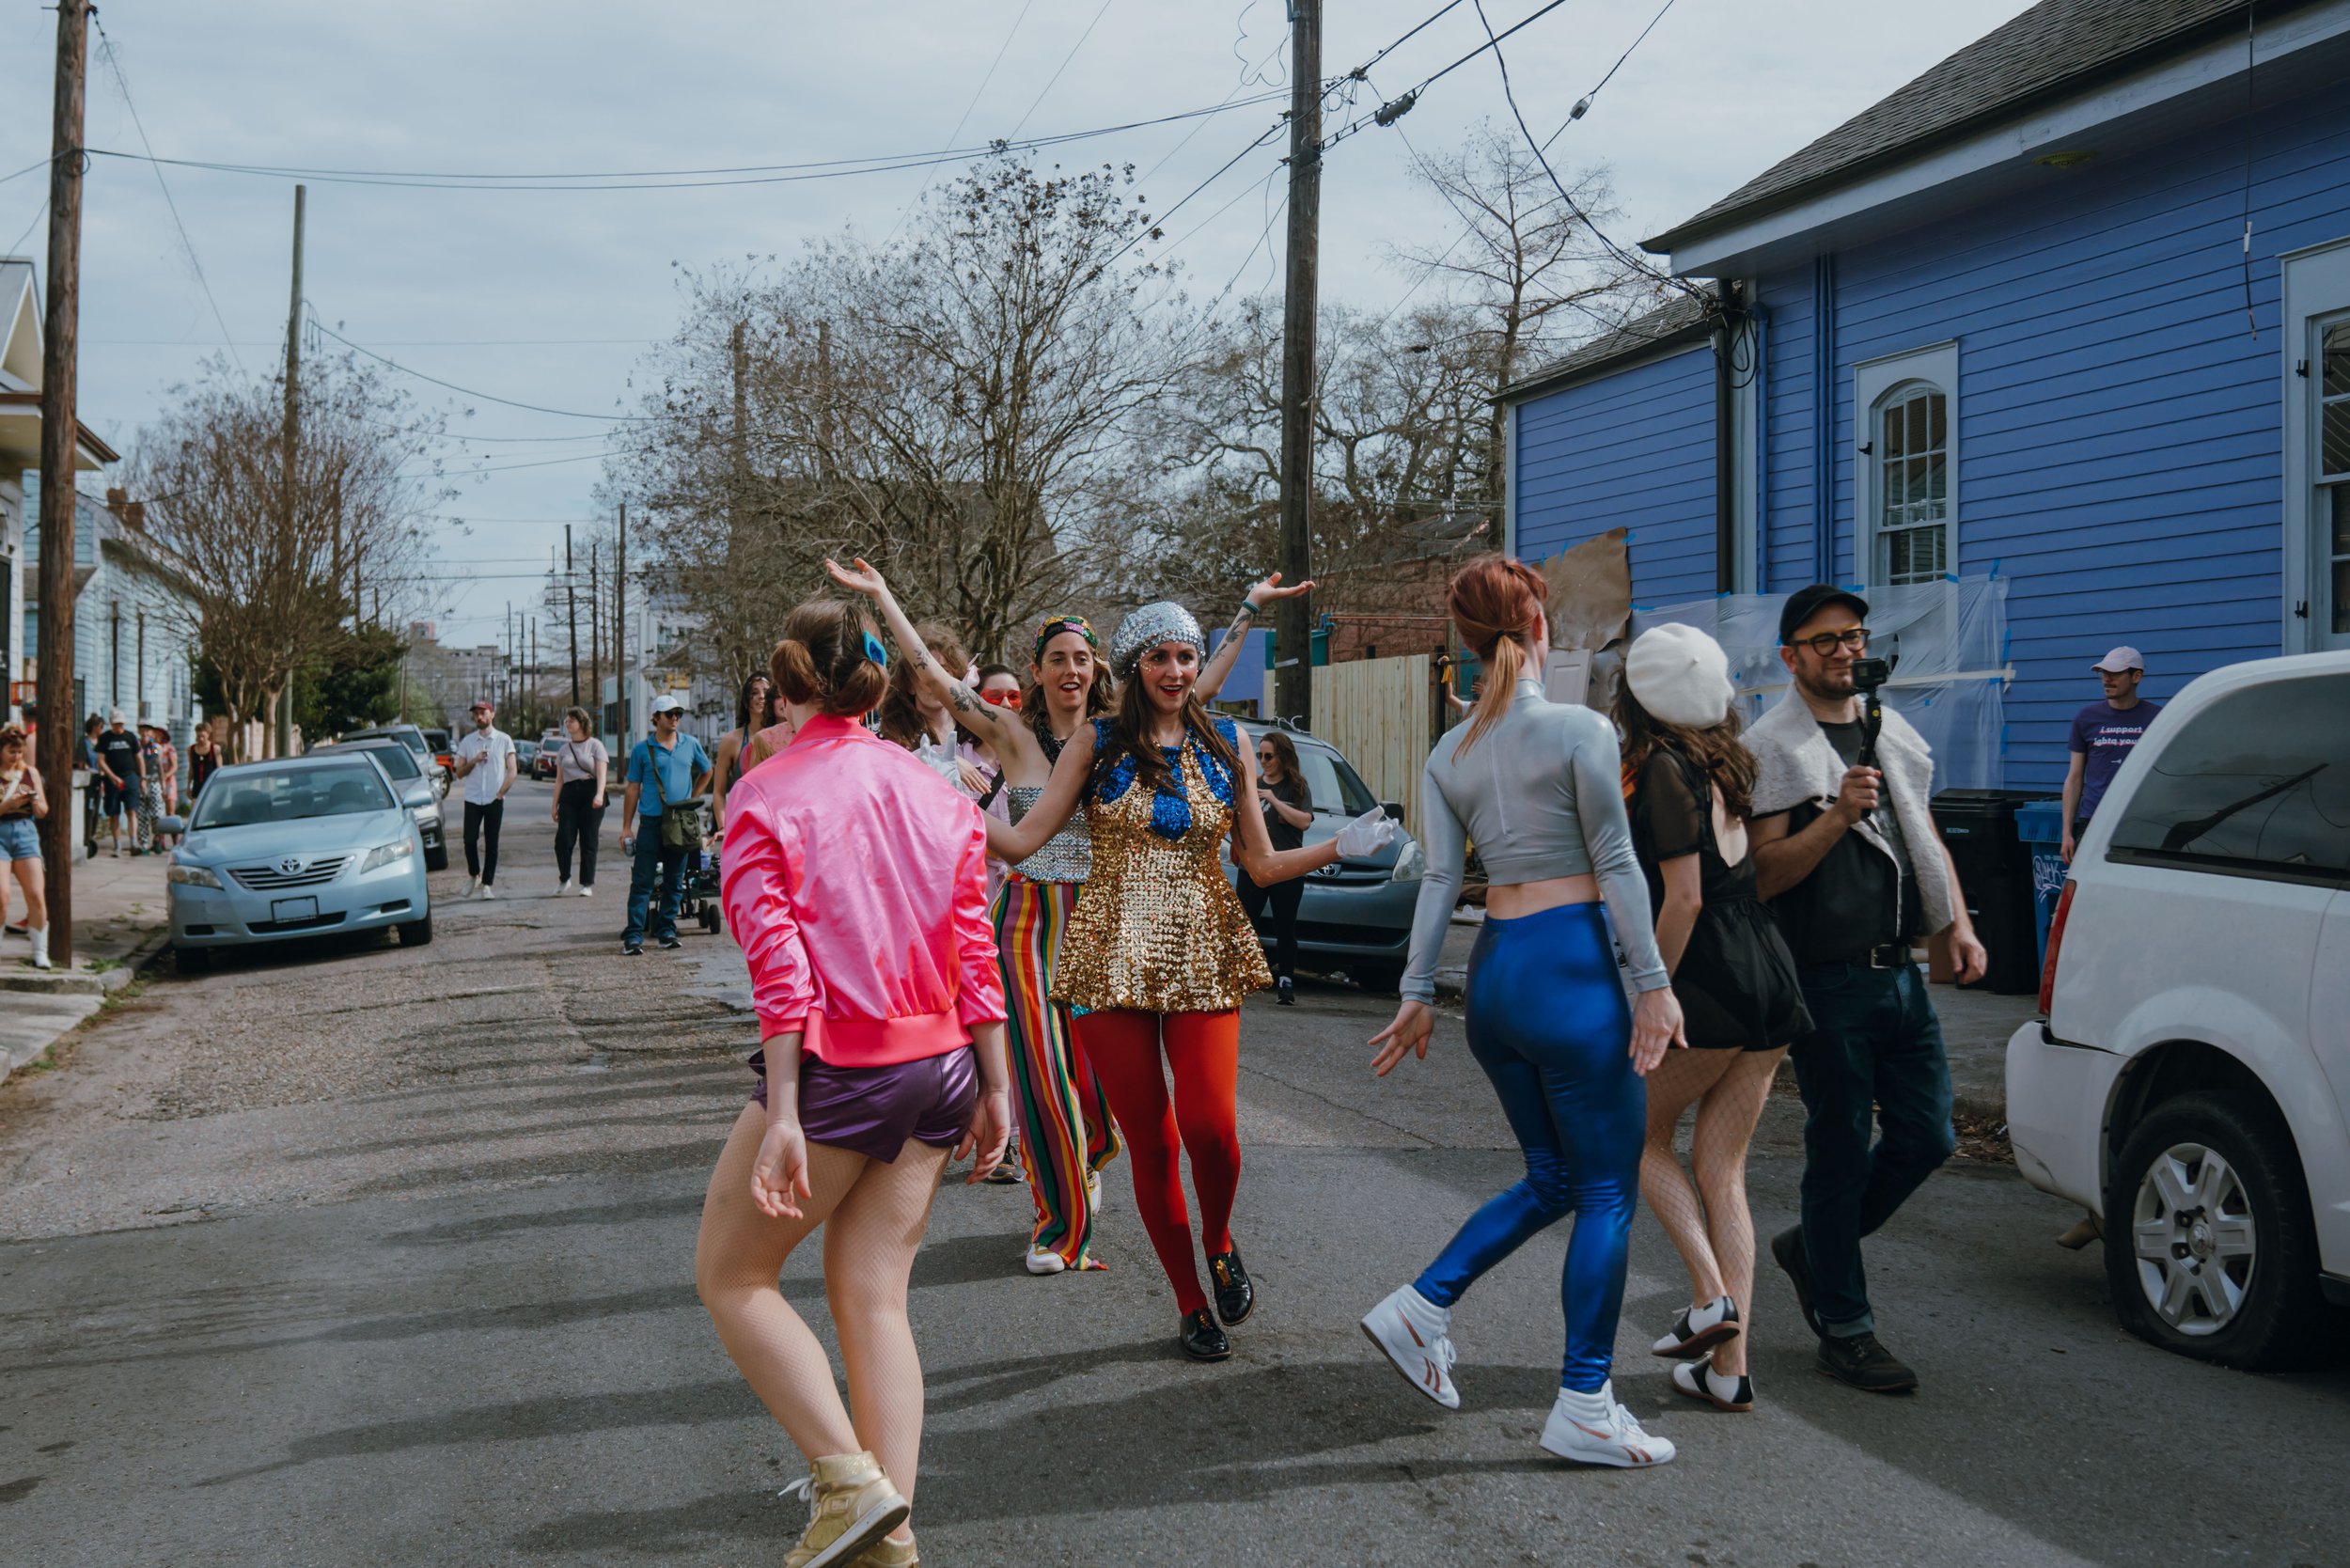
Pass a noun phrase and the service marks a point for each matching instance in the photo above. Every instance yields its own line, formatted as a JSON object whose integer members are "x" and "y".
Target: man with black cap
{"x": 1855, "y": 871}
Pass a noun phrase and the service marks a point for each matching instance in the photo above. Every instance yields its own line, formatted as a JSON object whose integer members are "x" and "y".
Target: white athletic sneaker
{"x": 1592, "y": 1429}
{"x": 1414, "y": 1334}
{"x": 585, "y": 891}
{"x": 488, "y": 891}
{"x": 473, "y": 889}
{"x": 563, "y": 887}
{"x": 1043, "y": 1260}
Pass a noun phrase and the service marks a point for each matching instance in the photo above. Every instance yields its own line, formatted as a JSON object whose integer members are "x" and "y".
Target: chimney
{"x": 116, "y": 497}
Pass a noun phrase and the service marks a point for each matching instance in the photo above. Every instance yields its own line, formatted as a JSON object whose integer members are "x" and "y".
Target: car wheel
{"x": 436, "y": 859}
{"x": 416, "y": 933}
{"x": 191, "y": 961}
{"x": 1382, "y": 978}
{"x": 2209, "y": 1246}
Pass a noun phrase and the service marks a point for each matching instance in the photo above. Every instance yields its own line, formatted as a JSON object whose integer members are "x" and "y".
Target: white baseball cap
{"x": 667, "y": 704}
{"x": 1681, "y": 675}
{"x": 2122, "y": 658}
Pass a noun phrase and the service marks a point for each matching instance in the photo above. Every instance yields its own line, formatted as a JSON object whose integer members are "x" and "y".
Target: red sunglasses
{"x": 1001, "y": 699}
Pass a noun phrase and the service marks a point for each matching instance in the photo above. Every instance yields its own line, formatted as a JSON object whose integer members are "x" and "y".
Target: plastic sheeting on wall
{"x": 1948, "y": 644}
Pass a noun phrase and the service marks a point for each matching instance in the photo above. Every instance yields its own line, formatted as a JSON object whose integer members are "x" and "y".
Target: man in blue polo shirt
{"x": 665, "y": 769}
{"x": 2104, "y": 734}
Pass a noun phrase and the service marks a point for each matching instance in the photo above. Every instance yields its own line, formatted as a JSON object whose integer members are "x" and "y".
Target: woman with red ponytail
{"x": 1535, "y": 784}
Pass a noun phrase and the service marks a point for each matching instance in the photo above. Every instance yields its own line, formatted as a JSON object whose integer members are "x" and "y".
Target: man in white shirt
{"x": 486, "y": 764}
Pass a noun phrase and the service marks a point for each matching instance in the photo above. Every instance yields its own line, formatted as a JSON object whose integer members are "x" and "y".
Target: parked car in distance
{"x": 444, "y": 749}
{"x": 526, "y": 759}
{"x": 413, "y": 783}
{"x": 292, "y": 848}
{"x": 437, "y": 766}
{"x": 550, "y": 747}
{"x": 2188, "y": 1081}
{"x": 1356, "y": 916}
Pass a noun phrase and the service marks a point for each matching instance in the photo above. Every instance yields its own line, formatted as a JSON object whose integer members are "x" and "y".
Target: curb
{"x": 75, "y": 995}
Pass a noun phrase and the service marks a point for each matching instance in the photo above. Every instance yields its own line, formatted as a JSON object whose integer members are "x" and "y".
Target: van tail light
{"x": 2056, "y": 946}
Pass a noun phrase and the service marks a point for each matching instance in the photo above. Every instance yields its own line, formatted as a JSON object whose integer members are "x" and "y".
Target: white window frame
{"x": 1872, "y": 381}
{"x": 2316, "y": 297}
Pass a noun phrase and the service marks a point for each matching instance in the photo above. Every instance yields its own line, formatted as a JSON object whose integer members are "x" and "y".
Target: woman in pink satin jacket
{"x": 856, "y": 880}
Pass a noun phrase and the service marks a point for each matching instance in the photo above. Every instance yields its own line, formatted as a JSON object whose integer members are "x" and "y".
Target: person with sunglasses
{"x": 1282, "y": 794}
{"x": 1849, "y": 857}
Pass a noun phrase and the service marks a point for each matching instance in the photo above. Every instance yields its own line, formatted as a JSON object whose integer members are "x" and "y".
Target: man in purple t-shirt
{"x": 2103, "y": 734}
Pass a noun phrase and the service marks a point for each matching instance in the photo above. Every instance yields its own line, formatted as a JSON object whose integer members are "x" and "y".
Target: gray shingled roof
{"x": 2043, "y": 54}
{"x": 1685, "y": 315}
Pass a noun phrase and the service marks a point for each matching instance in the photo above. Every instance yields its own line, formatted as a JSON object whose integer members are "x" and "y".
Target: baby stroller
{"x": 698, "y": 898}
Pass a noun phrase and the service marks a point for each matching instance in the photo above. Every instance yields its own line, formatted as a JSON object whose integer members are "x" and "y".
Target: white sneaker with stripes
{"x": 1416, "y": 1335}
{"x": 1592, "y": 1429}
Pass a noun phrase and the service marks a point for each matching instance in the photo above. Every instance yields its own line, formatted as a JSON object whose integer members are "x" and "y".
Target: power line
{"x": 976, "y": 95}
{"x": 114, "y": 63}
{"x": 1159, "y": 223}
{"x": 1064, "y": 65}
{"x": 1396, "y": 108}
{"x": 674, "y": 179}
{"x": 28, "y": 169}
{"x": 485, "y": 397}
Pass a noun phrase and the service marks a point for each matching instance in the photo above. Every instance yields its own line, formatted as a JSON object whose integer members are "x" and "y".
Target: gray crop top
{"x": 1540, "y": 795}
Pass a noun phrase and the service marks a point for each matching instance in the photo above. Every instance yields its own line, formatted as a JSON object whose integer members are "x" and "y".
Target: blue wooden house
{"x": 2072, "y": 309}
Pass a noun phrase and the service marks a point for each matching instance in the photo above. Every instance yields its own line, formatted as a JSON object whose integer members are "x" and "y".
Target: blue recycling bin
{"x": 2039, "y": 824}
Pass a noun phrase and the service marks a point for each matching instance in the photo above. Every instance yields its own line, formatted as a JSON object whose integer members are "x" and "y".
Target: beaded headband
{"x": 1148, "y": 627}
{"x": 1058, "y": 624}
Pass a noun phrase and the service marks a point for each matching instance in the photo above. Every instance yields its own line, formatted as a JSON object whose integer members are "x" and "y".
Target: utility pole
{"x": 292, "y": 449}
{"x": 595, "y": 630}
{"x": 1293, "y": 680}
{"x": 571, "y": 610}
{"x": 536, "y": 722}
{"x": 60, "y": 429}
{"x": 619, "y": 635}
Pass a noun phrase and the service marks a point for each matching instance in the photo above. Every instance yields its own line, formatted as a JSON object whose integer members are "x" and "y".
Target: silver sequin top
{"x": 1067, "y": 856}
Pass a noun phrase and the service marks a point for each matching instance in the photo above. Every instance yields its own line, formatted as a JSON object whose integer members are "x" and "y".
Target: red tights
{"x": 1203, "y": 1049}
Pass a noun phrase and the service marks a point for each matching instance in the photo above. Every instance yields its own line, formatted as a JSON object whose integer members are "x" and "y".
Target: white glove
{"x": 1366, "y": 835}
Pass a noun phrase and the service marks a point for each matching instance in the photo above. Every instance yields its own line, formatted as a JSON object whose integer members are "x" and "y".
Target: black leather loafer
{"x": 1787, "y": 1251}
{"x": 1235, "y": 1297}
{"x": 1201, "y": 1340}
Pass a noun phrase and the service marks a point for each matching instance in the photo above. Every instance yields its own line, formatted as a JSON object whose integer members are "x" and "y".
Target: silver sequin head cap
{"x": 1148, "y": 627}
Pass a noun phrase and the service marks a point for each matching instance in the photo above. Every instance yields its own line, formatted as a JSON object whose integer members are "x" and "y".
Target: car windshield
{"x": 243, "y": 797}
{"x": 398, "y": 759}
{"x": 1331, "y": 784}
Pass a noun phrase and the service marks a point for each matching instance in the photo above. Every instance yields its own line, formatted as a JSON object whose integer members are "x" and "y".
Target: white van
{"x": 2189, "y": 1079}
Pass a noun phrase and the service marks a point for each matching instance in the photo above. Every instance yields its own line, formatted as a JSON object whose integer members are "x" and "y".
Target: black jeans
{"x": 1284, "y": 897}
{"x": 1874, "y": 1040}
{"x": 656, "y": 883}
{"x": 577, "y": 821}
{"x": 481, "y": 839}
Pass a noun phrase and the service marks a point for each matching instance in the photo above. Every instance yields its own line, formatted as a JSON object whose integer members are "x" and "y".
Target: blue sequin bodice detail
{"x": 1170, "y": 808}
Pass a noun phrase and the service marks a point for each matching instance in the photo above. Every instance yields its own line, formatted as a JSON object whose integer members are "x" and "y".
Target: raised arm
{"x": 1244, "y": 620}
{"x": 994, "y": 725}
{"x": 1012, "y": 844}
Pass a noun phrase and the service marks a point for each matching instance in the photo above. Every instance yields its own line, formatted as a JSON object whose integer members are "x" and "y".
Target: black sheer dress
{"x": 1737, "y": 979}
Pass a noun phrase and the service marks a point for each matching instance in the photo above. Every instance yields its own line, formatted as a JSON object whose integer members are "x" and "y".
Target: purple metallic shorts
{"x": 873, "y": 1110}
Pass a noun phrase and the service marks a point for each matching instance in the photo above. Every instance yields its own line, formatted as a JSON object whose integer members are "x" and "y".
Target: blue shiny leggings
{"x": 1548, "y": 1023}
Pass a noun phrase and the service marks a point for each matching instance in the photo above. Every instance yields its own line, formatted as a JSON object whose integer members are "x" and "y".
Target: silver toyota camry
{"x": 294, "y": 848}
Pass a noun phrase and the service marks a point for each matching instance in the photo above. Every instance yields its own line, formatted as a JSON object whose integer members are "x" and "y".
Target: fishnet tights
{"x": 873, "y": 1216}
{"x": 1708, "y": 1223}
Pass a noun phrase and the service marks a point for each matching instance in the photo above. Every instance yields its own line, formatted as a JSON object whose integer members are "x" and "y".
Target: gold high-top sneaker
{"x": 850, "y": 1507}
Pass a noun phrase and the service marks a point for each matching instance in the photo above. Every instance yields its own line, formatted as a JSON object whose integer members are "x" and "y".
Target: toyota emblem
{"x": 292, "y": 865}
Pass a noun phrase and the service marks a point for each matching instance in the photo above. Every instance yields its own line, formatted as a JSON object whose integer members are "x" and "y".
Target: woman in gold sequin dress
{"x": 1158, "y": 953}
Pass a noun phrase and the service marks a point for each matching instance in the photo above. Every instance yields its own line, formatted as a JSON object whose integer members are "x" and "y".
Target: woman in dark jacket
{"x": 1281, "y": 792}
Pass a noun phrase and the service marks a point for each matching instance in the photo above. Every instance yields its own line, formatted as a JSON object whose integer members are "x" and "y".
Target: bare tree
{"x": 1533, "y": 269}
{"x": 272, "y": 572}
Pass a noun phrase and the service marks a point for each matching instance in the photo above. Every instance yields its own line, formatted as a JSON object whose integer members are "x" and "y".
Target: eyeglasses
{"x": 1853, "y": 637}
{"x": 1000, "y": 699}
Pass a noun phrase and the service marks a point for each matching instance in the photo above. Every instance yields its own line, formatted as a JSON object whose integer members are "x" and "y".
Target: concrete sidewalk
{"x": 120, "y": 925}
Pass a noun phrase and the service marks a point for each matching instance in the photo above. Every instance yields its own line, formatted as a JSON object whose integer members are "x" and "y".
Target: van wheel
{"x": 416, "y": 933}
{"x": 2209, "y": 1246}
{"x": 1379, "y": 978}
{"x": 436, "y": 859}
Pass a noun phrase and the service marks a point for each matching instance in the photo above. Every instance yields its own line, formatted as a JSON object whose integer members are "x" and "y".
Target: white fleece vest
{"x": 1797, "y": 762}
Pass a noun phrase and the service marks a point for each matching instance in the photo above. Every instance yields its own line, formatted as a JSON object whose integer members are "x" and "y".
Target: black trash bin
{"x": 1995, "y": 873}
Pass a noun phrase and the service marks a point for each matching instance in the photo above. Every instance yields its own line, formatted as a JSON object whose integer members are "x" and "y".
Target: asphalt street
{"x": 363, "y": 1254}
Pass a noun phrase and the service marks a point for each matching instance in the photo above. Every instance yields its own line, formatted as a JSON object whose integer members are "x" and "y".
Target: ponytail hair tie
{"x": 875, "y": 650}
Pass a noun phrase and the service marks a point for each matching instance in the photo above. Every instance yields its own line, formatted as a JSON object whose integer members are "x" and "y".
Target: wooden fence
{"x": 1376, "y": 711}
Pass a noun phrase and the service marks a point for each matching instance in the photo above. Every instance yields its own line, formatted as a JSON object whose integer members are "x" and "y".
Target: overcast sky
{"x": 551, "y": 297}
